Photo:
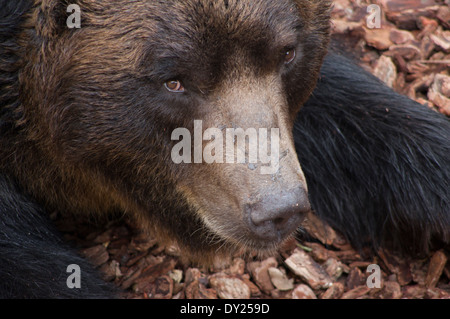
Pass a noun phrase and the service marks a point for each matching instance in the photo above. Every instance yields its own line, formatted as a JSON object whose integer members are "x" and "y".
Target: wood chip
{"x": 334, "y": 268}
{"x": 260, "y": 273}
{"x": 110, "y": 270}
{"x": 414, "y": 292}
{"x": 334, "y": 292}
{"x": 320, "y": 230}
{"x": 228, "y": 287}
{"x": 386, "y": 71}
{"x": 303, "y": 292}
{"x": 441, "y": 41}
{"x": 308, "y": 270}
{"x": 398, "y": 266}
{"x": 391, "y": 290}
{"x": 400, "y": 36}
{"x": 407, "y": 19}
{"x": 403, "y": 5}
{"x": 196, "y": 290}
{"x": 443, "y": 15}
{"x": 152, "y": 272}
{"x": 254, "y": 290}
{"x": 280, "y": 280}
{"x": 97, "y": 255}
{"x": 237, "y": 267}
{"x": 406, "y": 51}
{"x": 378, "y": 38}
{"x": 439, "y": 93}
{"x": 356, "y": 292}
{"x": 435, "y": 269}
{"x": 161, "y": 288}
{"x": 319, "y": 253}
{"x": 192, "y": 274}
{"x": 355, "y": 278}
{"x": 436, "y": 293}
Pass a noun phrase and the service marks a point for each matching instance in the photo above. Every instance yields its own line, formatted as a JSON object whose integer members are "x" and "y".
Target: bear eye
{"x": 289, "y": 56}
{"x": 174, "y": 86}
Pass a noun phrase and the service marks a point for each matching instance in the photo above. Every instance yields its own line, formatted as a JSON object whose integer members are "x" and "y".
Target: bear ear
{"x": 54, "y": 17}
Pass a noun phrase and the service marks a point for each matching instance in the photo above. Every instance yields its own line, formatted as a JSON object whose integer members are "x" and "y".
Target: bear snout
{"x": 277, "y": 215}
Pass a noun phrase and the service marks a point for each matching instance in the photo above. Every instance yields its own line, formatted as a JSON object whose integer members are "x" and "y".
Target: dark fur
{"x": 34, "y": 259}
{"x": 78, "y": 135}
{"x": 377, "y": 163}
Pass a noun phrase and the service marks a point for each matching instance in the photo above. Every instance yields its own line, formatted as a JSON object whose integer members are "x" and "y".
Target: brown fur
{"x": 91, "y": 131}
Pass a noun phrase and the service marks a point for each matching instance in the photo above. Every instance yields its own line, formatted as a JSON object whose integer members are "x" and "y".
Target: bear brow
{"x": 178, "y": 51}
{"x": 237, "y": 20}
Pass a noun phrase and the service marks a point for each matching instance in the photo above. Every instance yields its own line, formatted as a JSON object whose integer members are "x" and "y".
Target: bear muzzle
{"x": 277, "y": 215}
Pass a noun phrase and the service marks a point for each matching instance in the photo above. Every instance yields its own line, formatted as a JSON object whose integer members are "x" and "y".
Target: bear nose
{"x": 277, "y": 215}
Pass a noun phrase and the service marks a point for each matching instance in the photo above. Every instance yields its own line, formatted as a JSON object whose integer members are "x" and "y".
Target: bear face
{"x": 99, "y": 106}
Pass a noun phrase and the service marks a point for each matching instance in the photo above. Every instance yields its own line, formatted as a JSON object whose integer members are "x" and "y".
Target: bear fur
{"x": 85, "y": 123}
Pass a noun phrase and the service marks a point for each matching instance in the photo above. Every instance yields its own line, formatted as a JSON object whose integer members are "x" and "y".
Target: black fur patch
{"x": 376, "y": 163}
{"x": 33, "y": 257}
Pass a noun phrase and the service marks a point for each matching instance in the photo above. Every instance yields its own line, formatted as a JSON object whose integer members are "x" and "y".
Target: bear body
{"x": 87, "y": 116}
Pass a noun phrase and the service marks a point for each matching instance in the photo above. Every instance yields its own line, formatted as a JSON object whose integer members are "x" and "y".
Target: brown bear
{"x": 89, "y": 115}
